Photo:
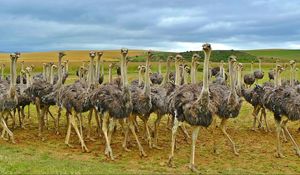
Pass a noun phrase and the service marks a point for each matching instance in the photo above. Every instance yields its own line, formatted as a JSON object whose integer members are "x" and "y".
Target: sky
{"x": 167, "y": 25}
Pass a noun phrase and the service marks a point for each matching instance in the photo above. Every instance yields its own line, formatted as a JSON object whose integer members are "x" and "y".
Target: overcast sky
{"x": 172, "y": 25}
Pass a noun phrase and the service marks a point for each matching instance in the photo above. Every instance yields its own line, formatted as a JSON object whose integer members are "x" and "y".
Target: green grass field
{"x": 271, "y": 55}
{"x": 31, "y": 155}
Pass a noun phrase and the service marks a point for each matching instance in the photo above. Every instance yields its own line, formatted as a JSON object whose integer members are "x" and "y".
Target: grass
{"x": 271, "y": 55}
{"x": 31, "y": 155}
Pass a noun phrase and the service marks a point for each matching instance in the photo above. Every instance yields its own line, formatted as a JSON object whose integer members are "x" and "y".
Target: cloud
{"x": 177, "y": 25}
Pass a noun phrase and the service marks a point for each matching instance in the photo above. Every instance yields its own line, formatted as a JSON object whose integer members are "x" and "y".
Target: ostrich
{"x": 258, "y": 74}
{"x": 139, "y": 82}
{"x": 114, "y": 103}
{"x": 41, "y": 88}
{"x": 75, "y": 98}
{"x": 8, "y": 97}
{"x": 99, "y": 76}
{"x": 141, "y": 100}
{"x": 283, "y": 102}
{"x": 221, "y": 76}
{"x": 249, "y": 79}
{"x": 157, "y": 77}
{"x": 230, "y": 103}
{"x": 2, "y": 72}
{"x": 193, "y": 104}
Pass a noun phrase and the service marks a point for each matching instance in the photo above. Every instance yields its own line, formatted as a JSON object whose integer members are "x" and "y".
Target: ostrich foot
{"x": 142, "y": 153}
{"x": 193, "y": 168}
{"x": 126, "y": 149}
{"x": 253, "y": 129}
{"x": 297, "y": 152}
{"x": 171, "y": 162}
{"x": 235, "y": 152}
{"x": 279, "y": 155}
{"x": 108, "y": 152}
{"x": 155, "y": 146}
{"x": 85, "y": 149}
{"x": 57, "y": 133}
{"x": 90, "y": 139}
{"x": 69, "y": 145}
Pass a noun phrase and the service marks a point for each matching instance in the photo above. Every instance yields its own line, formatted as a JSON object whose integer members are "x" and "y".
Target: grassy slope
{"x": 272, "y": 54}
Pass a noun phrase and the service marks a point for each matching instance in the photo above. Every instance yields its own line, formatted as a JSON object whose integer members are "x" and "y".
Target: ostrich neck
{"x": 177, "y": 73}
{"x": 291, "y": 76}
{"x": 51, "y": 75}
{"x": 185, "y": 76}
{"x": 259, "y": 64}
{"x": 124, "y": 71}
{"x": 44, "y": 72}
{"x": 231, "y": 77}
{"x": 91, "y": 72}
{"x": 239, "y": 78}
{"x": 166, "y": 78}
{"x": 147, "y": 78}
{"x": 193, "y": 72}
{"x": 251, "y": 67}
{"x": 59, "y": 71}
{"x": 28, "y": 80}
{"x": 159, "y": 67}
{"x": 97, "y": 72}
{"x": 140, "y": 77}
{"x": 110, "y": 74}
{"x": 205, "y": 72}
{"x": 13, "y": 79}
{"x": 2, "y": 71}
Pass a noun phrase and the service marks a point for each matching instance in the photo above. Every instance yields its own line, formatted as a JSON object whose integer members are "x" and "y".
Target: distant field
{"x": 273, "y": 54}
{"x": 73, "y": 56}
{"x": 269, "y": 55}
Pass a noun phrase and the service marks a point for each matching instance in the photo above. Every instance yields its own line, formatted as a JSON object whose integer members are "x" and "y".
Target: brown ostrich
{"x": 258, "y": 74}
{"x": 8, "y": 97}
{"x": 249, "y": 79}
{"x": 114, "y": 103}
{"x": 193, "y": 104}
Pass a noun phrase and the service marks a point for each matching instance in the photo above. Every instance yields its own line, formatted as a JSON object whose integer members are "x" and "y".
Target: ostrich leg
{"x": 125, "y": 127}
{"x": 131, "y": 127}
{"x": 156, "y": 125}
{"x": 194, "y": 139}
{"x": 68, "y": 130}
{"x": 223, "y": 128}
{"x": 278, "y": 131}
{"x": 90, "y": 116}
{"x": 5, "y": 128}
{"x": 74, "y": 124}
{"x": 146, "y": 130}
{"x": 111, "y": 127}
{"x": 58, "y": 119}
{"x": 99, "y": 123}
{"x": 291, "y": 137}
{"x": 215, "y": 143}
{"x": 174, "y": 131}
{"x": 254, "y": 114}
{"x": 108, "y": 150}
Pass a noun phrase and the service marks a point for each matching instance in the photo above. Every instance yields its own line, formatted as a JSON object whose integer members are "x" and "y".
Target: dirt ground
{"x": 30, "y": 154}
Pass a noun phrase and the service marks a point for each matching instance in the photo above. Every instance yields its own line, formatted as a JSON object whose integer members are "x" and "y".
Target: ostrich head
{"x": 61, "y": 54}
{"x": 170, "y": 58}
{"x": 124, "y": 51}
{"x": 206, "y": 47}
{"x": 232, "y": 59}
{"x": 99, "y": 54}
{"x": 18, "y": 54}
{"x": 92, "y": 54}
{"x": 292, "y": 62}
{"x": 195, "y": 57}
